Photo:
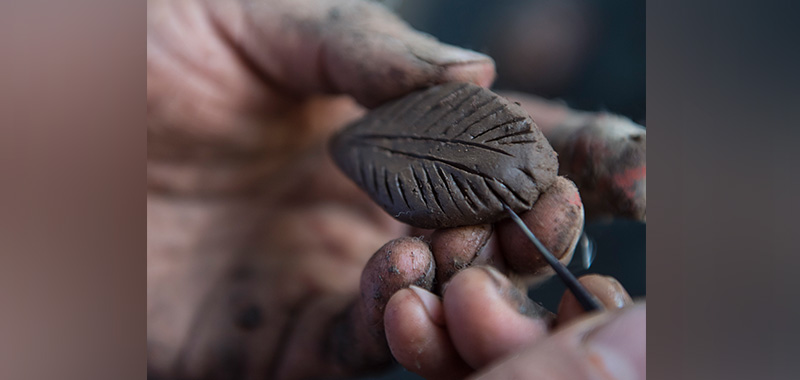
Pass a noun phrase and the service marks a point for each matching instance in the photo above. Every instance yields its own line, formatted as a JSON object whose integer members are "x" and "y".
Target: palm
{"x": 236, "y": 272}
{"x": 249, "y": 223}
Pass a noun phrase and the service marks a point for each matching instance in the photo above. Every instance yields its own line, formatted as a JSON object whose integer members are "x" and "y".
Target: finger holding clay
{"x": 605, "y": 154}
{"x": 461, "y": 159}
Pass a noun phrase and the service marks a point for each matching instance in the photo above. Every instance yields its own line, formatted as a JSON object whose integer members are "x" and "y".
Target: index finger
{"x": 354, "y": 47}
{"x": 556, "y": 219}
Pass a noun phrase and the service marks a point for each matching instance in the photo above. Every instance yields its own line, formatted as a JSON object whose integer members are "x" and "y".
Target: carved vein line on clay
{"x": 386, "y": 185}
{"x": 436, "y": 139}
{"x": 512, "y": 121}
{"x": 470, "y": 203}
{"x": 520, "y": 133}
{"x": 467, "y": 97}
{"x": 374, "y": 176}
{"x": 440, "y": 106}
{"x": 497, "y": 195}
{"x": 528, "y": 174}
{"x": 516, "y": 195}
{"x": 432, "y": 105}
{"x": 480, "y": 197}
{"x": 419, "y": 187}
{"x": 457, "y": 108}
{"x": 401, "y": 189}
{"x": 477, "y": 109}
{"x": 518, "y": 142}
{"x": 501, "y": 198}
{"x": 456, "y": 165}
{"x": 484, "y": 117}
{"x": 421, "y": 97}
{"x": 360, "y": 168}
{"x": 433, "y": 188}
{"x": 443, "y": 177}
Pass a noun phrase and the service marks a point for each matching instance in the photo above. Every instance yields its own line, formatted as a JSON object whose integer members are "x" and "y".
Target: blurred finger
{"x": 488, "y": 317}
{"x": 604, "y": 346}
{"x": 606, "y": 289}
{"x": 417, "y": 336}
{"x": 556, "y": 219}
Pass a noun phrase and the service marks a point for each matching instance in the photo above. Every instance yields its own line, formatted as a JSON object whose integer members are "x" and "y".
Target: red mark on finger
{"x": 628, "y": 179}
{"x": 576, "y": 199}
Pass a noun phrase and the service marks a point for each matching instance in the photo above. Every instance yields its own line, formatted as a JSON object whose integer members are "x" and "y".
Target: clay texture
{"x": 447, "y": 156}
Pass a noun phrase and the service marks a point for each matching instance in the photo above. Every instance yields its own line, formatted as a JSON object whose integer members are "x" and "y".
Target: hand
{"x": 605, "y": 346}
{"x": 256, "y": 242}
{"x": 605, "y": 154}
{"x": 258, "y": 248}
{"x": 485, "y": 327}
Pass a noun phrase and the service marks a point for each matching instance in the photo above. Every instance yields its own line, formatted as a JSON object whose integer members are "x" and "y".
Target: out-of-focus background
{"x": 589, "y": 54}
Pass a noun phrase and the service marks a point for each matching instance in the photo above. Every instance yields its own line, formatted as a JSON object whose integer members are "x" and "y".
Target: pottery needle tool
{"x": 583, "y": 296}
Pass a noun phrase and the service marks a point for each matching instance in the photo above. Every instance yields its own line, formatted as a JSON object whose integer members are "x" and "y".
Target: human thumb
{"x": 354, "y": 47}
{"x": 610, "y": 345}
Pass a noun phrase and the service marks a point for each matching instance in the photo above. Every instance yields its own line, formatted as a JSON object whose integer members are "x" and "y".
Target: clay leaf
{"x": 447, "y": 156}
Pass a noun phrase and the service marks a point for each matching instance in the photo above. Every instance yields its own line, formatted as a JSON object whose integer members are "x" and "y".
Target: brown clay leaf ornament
{"x": 447, "y": 156}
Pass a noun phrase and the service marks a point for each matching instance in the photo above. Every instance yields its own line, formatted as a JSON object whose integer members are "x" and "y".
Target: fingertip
{"x": 610, "y": 345}
{"x": 456, "y": 64}
{"x": 358, "y": 48}
{"x": 417, "y": 341}
{"x": 455, "y": 249}
{"x": 432, "y": 304}
{"x": 384, "y": 58}
{"x": 356, "y": 340}
{"x": 481, "y": 73}
{"x": 396, "y": 265}
{"x": 607, "y": 157}
{"x": 487, "y": 317}
{"x": 403, "y": 259}
{"x": 557, "y": 221}
{"x": 401, "y": 310}
{"x": 618, "y": 348}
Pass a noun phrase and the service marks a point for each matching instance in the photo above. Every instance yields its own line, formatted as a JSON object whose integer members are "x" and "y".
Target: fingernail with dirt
{"x": 497, "y": 278}
{"x": 437, "y": 53}
{"x": 515, "y": 298}
{"x": 432, "y": 304}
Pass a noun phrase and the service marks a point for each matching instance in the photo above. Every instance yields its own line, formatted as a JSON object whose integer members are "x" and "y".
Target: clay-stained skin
{"x": 447, "y": 156}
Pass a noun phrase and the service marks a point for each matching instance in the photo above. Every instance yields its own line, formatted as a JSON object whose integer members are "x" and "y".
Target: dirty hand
{"x": 262, "y": 257}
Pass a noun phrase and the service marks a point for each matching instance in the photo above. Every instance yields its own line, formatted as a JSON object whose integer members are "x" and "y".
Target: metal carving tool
{"x": 583, "y": 296}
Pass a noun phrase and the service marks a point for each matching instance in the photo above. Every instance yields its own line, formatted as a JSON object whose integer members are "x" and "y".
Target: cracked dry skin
{"x": 447, "y": 156}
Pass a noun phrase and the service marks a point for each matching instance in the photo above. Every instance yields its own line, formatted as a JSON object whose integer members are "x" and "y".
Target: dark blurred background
{"x": 589, "y": 54}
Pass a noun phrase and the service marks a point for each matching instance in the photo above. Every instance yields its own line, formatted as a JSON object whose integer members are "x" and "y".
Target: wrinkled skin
{"x": 264, "y": 261}
{"x": 605, "y": 154}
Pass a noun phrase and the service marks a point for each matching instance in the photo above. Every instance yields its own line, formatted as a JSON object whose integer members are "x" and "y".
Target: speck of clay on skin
{"x": 393, "y": 269}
